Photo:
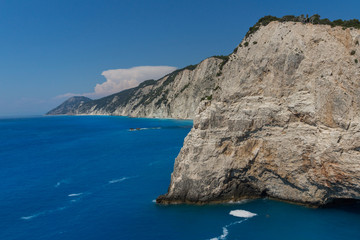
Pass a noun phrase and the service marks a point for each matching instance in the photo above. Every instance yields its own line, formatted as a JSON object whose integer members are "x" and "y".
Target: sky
{"x": 53, "y": 49}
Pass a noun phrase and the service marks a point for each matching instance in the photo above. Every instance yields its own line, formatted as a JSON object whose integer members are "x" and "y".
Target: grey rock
{"x": 285, "y": 123}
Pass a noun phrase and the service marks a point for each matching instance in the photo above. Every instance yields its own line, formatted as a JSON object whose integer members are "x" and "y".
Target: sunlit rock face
{"x": 283, "y": 120}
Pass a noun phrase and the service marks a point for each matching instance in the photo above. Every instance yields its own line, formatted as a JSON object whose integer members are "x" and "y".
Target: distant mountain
{"x": 69, "y": 105}
{"x": 176, "y": 95}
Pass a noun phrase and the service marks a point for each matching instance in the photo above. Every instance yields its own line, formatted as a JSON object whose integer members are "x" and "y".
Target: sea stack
{"x": 283, "y": 121}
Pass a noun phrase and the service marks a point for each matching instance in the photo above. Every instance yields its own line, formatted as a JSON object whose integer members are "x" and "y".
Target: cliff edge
{"x": 283, "y": 121}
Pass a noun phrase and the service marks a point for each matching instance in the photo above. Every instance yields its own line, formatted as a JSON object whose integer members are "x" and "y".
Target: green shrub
{"x": 191, "y": 67}
{"x": 353, "y": 52}
{"x": 356, "y": 61}
{"x": 206, "y": 98}
{"x": 217, "y": 87}
{"x": 338, "y": 22}
{"x": 225, "y": 60}
{"x": 222, "y": 57}
{"x": 357, "y": 42}
{"x": 255, "y": 42}
{"x": 315, "y": 19}
{"x": 262, "y": 22}
{"x": 185, "y": 87}
{"x": 246, "y": 44}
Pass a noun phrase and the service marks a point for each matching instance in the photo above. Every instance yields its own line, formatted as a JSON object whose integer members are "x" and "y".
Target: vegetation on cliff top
{"x": 315, "y": 19}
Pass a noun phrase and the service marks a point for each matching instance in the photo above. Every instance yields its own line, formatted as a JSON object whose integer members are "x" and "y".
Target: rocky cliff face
{"x": 283, "y": 122}
{"x": 176, "y": 95}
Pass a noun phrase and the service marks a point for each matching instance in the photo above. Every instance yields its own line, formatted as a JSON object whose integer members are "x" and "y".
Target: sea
{"x": 91, "y": 177}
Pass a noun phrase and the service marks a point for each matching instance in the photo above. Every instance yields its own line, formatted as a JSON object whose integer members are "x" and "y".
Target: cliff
{"x": 283, "y": 121}
{"x": 69, "y": 106}
{"x": 176, "y": 95}
{"x": 279, "y": 117}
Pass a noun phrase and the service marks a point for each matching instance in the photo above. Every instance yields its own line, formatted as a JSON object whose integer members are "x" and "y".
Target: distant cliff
{"x": 69, "y": 106}
{"x": 177, "y": 95}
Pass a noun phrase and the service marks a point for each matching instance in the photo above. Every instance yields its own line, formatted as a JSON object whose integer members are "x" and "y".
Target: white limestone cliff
{"x": 284, "y": 122}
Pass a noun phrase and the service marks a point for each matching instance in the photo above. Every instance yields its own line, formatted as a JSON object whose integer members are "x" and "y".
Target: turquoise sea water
{"x": 91, "y": 178}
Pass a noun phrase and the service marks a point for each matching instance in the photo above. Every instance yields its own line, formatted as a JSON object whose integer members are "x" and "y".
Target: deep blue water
{"x": 92, "y": 178}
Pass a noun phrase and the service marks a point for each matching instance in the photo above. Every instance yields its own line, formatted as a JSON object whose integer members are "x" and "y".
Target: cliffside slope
{"x": 284, "y": 121}
{"x": 177, "y": 95}
{"x": 69, "y": 106}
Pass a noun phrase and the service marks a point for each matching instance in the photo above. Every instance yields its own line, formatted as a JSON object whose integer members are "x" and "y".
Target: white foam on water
{"x": 138, "y": 129}
{"x": 239, "y": 202}
{"x": 75, "y": 194}
{"x": 225, "y": 232}
{"x": 42, "y": 213}
{"x": 242, "y": 213}
{"x": 224, "y": 235}
{"x": 154, "y": 201}
{"x": 61, "y": 182}
{"x": 118, "y": 180}
{"x": 32, "y": 216}
{"x": 121, "y": 179}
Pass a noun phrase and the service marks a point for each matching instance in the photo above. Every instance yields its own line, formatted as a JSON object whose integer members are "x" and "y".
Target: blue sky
{"x": 53, "y": 48}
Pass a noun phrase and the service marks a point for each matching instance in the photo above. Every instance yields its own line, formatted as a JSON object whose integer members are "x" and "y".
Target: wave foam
{"x": 118, "y": 180}
{"x": 240, "y": 201}
{"x": 75, "y": 194}
{"x": 138, "y": 129}
{"x": 61, "y": 182}
{"x": 222, "y": 236}
{"x": 31, "y": 217}
{"x": 225, "y": 232}
{"x": 42, "y": 213}
{"x": 242, "y": 213}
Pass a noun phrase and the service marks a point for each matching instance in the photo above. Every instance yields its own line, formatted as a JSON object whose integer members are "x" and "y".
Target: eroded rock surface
{"x": 283, "y": 121}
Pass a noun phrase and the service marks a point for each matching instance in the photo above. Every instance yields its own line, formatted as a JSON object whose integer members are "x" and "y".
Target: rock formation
{"x": 284, "y": 121}
{"x": 279, "y": 117}
{"x": 69, "y": 106}
{"x": 177, "y": 95}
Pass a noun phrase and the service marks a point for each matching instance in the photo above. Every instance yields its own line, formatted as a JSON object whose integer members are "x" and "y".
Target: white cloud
{"x": 121, "y": 79}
